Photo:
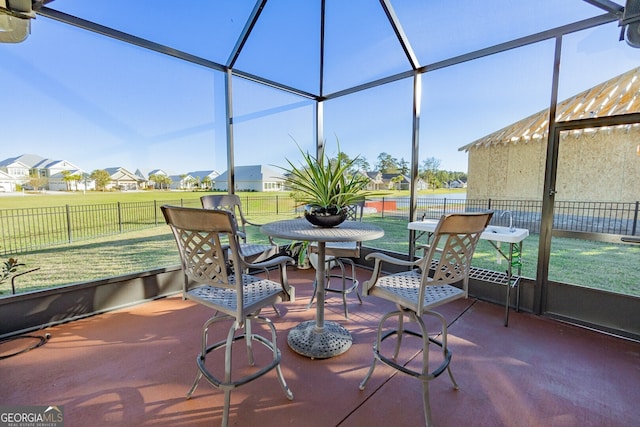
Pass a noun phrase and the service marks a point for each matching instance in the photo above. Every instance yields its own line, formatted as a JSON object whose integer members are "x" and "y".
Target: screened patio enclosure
{"x": 222, "y": 84}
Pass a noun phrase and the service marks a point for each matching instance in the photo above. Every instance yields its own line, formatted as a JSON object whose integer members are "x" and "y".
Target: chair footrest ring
{"x": 430, "y": 375}
{"x": 200, "y": 360}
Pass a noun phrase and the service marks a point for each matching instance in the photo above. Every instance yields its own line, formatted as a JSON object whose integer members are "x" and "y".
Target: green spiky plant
{"x": 321, "y": 182}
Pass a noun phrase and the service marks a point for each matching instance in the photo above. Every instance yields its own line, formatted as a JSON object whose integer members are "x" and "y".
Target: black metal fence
{"x": 34, "y": 228}
{"x": 593, "y": 217}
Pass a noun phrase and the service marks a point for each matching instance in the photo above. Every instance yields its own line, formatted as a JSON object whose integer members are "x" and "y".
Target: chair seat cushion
{"x": 255, "y": 291}
{"x": 403, "y": 288}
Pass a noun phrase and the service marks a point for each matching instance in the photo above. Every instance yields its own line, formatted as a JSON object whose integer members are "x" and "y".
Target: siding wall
{"x": 602, "y": 166}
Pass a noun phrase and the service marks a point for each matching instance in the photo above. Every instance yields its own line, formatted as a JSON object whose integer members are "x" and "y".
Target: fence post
{"x": 444, "y": 206}
{"x": 119, "y": 218}
{"x": 277, "y": 206}
{"x": 489, "y": 207}
{"x": 635, "y": 219}
{"x": 155, "y": 212}
{"x": 382, "y": 206}
{"x": 69, "y": 233}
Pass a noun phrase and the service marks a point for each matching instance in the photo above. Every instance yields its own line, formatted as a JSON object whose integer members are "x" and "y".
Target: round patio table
{"x": 318, "y": 339}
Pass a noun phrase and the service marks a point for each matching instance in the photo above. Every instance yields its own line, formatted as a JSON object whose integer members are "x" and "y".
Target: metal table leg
{"x": 318, "y": 339}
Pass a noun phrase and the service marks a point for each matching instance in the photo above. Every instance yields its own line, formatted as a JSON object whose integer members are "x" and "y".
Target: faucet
{"x": 511, "y": 227}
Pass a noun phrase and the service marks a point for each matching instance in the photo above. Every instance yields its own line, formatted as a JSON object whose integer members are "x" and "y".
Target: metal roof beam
{"x": 402, "y": 37}
{"x": 607, "y": 6}
{"x": 244, "y": 35}
{"x": 127, "y": 38}
{"x": 523, "y": 41}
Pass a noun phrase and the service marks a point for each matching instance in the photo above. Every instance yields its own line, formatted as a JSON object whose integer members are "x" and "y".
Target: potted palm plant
{"x": 326, "y": 187}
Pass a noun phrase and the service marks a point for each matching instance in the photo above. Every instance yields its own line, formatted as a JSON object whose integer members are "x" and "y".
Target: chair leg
{"x": 376, "y": 348}
{"x": 275, "y": 309}
{"x": 445, "y": 349}
{"x": 343, "y": 277}
{"x": 425, "y": 375}
{"x": 344, "y": 287}
{"x": 400, "y": 331}
{"x": 249, "y": 339}
{"x": 425, "y": 403}
{"x": 355, "y": 280}
{"x": 195, "y": 385}
{"x": 227, "y": 371}
{"x": 313, "y": 295}
{"x": 227, "y": 385}
{"x": 276, "y": 356}
{"x": 203, "y": 352}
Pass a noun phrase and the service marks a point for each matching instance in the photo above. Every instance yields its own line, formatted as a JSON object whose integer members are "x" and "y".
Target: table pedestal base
{"x": 319, "y": 343}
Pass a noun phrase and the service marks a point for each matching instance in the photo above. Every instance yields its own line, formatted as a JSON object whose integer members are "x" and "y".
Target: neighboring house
{"x": 145, "y": 174}
{"x": 252, "y": 178}
{"x": 19, "y": 168}
{"x": 7, "y": 183}
{"x": 392, "y": 181}
{"x": 396, "y": 181}
{"x": 15, "y": 168}
{"x": 605, "y": 157}
{"x": 456, "y": 183}
{"x": 14, "y": 173}
{"x": 26, "y": 166}
{"x": 421, "y": 184}
{"x": 122, "y": 179}
{"x": 53, "y": 171}
{"x": 182, "y": 182}
{"x": 72, "y": 180}
{"x": 375, "y": 181}
{"x": 205, "y": 179}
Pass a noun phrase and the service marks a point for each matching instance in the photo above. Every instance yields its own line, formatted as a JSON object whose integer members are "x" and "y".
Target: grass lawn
{"x": 61, "y": 198}
{"x": 611, "y": 267}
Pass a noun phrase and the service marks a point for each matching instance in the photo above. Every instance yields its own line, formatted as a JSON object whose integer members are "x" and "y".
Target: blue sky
{"x": 96, "y": 102}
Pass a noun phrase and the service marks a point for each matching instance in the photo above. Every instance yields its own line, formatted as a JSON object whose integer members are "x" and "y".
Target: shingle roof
{"x": 28, "y": 159}
{"x": 253, "y": 173}
{"x": 618, "y": 95}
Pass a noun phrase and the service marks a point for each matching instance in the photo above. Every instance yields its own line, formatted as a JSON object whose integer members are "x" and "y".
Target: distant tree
{"x": 206, "y": 182}
{"x": 429, "y": 170}
{"x": 386, "y": 163}
{"x": 84, "y": 177}
{"x": 37, "y": 182}
{"x": 75, "y": 179}
{"x": 191, "y": 183}
{"x": 70, "y": 179}
{"x": 67, "y": 178}
{"x": 362, "y": 164}
{"x": 344, "y": 159}
{"x": 165, "y": 181}
{"x": 431, "y": 164}
{"x": 101, "y": 178}
{"x": 396, "y": 181}
{"x": 160, "y": 181}
{"x": 403, "y": 166}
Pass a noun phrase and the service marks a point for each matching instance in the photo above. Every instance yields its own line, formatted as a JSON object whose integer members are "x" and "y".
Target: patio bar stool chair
{"x": 252, "y": 252}
{"x": 418, "y": 291}
{"x": 339, "y": 254}
{"x": 205, "y": 238}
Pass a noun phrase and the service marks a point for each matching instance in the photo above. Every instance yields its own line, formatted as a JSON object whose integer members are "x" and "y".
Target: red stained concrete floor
{"x": 133, "y": 367}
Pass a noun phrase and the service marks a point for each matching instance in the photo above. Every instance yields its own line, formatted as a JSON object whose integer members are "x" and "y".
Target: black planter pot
{"x": 325, "y": 217}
